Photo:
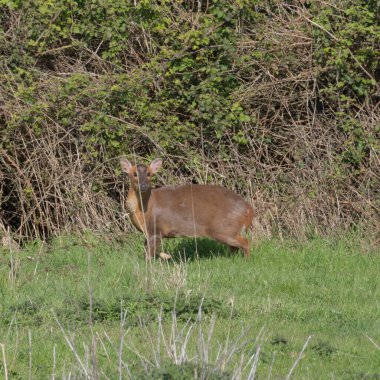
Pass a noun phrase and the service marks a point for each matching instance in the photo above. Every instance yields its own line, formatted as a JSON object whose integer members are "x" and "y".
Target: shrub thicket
{"x": 277, "y": 99}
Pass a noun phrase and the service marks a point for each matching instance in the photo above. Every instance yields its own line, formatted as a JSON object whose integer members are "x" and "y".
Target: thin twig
{"x": 298, "y": 358}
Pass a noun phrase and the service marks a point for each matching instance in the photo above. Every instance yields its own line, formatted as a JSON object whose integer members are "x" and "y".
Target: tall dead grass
{"x": 47, "y": 187}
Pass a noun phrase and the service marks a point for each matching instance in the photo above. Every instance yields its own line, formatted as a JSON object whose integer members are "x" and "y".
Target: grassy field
{"x": 93, "y": 308}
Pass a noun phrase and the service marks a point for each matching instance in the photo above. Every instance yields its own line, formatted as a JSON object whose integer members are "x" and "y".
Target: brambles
{"x": 274, "y": 99}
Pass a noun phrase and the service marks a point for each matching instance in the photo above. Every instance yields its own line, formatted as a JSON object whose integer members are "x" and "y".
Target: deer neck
{"x": 137, "y": 205}
{"x": 137, "y": 202}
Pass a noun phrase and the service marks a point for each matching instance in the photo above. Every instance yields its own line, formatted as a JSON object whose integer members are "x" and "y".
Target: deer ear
{"x": 126, "y": 166}
{"x": 155, "y": 165}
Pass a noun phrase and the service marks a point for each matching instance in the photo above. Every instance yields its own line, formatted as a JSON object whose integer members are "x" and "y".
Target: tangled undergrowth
{"x": 277, "y": 100}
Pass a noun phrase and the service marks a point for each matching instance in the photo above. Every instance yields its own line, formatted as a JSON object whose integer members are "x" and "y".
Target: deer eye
{"x": 135, "y": 174}
{"x": 148, "y": 175}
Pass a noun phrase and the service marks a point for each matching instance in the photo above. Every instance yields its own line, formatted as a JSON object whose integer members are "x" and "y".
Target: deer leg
{"x": 246, "y": 247}
{"x": 152, "y": 245}
{"x": 235, "y": 243}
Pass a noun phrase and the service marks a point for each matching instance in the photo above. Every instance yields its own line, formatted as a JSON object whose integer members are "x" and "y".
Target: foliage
{"x": 180, "y": 88}
{"x": 347, "y": 49}
{"x": 348, "y": 54}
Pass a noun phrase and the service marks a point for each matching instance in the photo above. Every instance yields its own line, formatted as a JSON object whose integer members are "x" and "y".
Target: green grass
{"x": 93, "y": 307}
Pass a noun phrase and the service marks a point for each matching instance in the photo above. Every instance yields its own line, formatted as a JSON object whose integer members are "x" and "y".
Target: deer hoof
{"x": 164, "y": 256}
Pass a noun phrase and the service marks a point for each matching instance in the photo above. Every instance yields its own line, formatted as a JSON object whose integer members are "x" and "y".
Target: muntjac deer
{"x": 184, "y": 210}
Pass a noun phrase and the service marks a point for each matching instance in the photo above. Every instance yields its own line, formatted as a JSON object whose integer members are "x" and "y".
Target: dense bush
{"x": 276, "y": 99}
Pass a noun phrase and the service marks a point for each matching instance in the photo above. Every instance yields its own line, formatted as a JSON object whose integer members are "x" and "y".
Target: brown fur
{"x": 187, "y": 210}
